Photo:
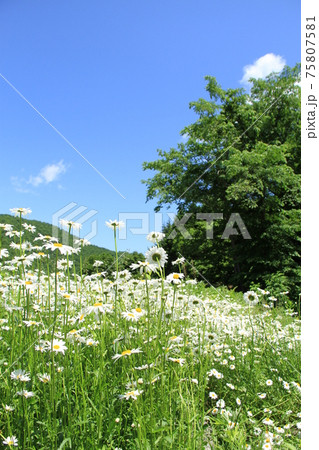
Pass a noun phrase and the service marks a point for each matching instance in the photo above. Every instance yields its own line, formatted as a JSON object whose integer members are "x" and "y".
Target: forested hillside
{"x": 91, "y": 253}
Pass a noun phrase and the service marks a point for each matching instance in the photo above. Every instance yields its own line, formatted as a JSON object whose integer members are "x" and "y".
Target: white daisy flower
{"x": 126, "y": 353}
{"x": 213, "y": 395}
{"x": 130, "y": 316}
{"x": 26, "y": 394}
{"x": 4, "y": 253}
{"x": 268, "y": 421}
{"x": 63, "y": 249}
{"x": 175, "y": 278}
{"x": 143, "y": 266}
{"x": 155, "y": 236}
{"x": 251, "y": 298}
{"x": 131, "y": 394}
{"x": 179, "y": 361}
{"x": 82, "y": 241}
{"x": 9, "y": 408}
{"x": 96, "y": 308}
{"x": 98, "y": 263}
{"x": 20, "y": 375}
{"x": 220, "y": 403}
{"x": 45, "y": 378}
{"x": 69, "y": 224}
{"x": 91, "y": 343}
{"x": 21, "y": 211}
{"x": 267, "y": 446}
{"x": 12, "y": 441}
{"x": 157, "y": 256}
{"x": 57, "y": 346}
{"x": 180, "y": 260}
{"x": 175, "y": 339}
{"x": 114, "y": 224}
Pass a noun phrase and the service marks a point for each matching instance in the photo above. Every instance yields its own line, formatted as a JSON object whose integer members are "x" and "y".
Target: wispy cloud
{"x": 263, "y": 66}
{"x": 19, "y": 185}
{"x": 48, "y": 174}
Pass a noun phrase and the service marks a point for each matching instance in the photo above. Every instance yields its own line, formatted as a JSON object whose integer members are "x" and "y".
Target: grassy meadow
{"x": 140, "y": 360}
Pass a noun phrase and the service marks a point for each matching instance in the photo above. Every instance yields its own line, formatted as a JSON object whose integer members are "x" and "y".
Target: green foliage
{"x": 242, "y": 156}
{"x": 108, "y": 262}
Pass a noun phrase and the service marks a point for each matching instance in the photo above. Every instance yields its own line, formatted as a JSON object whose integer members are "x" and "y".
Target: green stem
{"x": 116, "y": 254}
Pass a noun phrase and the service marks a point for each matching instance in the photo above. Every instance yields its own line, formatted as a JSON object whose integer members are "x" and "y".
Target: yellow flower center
{"x": 176, "y": 276}
{"x": 126, "y": 352}
{"x": 138, "y": 310}
{"x": 130, "y": 314}
{"x": 56, "y": 347}
{"x": 57, "y": 244}
{"x": 81, "y": 317}
{"x": 28, "y": 282}
{"x": 97, "y": 304}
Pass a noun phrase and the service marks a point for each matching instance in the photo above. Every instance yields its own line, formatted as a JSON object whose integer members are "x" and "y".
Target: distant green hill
{"x": 90, "y": 252}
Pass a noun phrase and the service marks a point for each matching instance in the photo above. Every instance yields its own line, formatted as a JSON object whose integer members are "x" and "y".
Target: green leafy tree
{"x": 242, "y": 157}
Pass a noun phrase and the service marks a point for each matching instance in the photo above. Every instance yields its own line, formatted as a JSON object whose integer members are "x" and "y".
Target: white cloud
{"x": 47, "y": 174}
{"x": 263, "y": 66}
{"x": 19, "y": 185}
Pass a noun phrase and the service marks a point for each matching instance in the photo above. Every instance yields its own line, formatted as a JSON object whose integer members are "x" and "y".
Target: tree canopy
{"x": 241, "y": 160}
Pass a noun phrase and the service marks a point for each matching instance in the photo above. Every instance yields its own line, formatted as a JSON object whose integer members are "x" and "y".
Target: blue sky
{"x": 115, "y": 78}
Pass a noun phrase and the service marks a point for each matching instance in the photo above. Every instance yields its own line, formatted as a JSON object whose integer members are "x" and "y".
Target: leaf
{"x": 64, "y": 443}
